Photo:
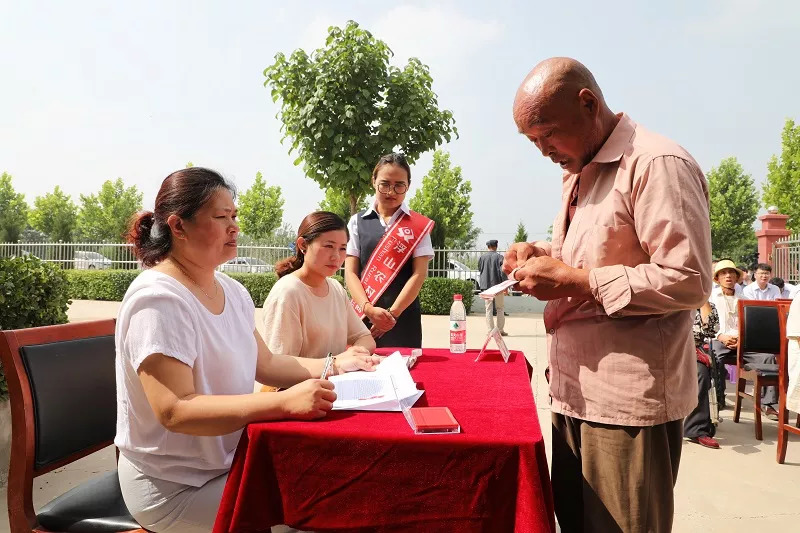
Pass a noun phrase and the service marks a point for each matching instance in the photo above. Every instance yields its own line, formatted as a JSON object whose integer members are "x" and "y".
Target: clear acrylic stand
{"x": 406, "y": 409}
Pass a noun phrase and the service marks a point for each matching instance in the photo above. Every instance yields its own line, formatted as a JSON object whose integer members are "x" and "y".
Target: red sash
{"x": 391, "y": 253}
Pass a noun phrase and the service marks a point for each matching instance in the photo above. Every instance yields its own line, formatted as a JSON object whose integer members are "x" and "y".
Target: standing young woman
{"x": 307, "y": 313}
{"x": 188, "y": 355}
{"x": 387, "y": 258}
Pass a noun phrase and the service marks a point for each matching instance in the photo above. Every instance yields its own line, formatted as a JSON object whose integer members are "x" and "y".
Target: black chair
{"x": 759, "y": 332}
{"x": 62, "y": 388}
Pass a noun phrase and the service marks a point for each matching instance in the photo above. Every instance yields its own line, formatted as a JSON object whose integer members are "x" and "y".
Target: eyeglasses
{"x": 399, "y": 188}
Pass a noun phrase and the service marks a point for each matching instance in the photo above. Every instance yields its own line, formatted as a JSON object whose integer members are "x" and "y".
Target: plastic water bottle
{"x": 458, "y": 326}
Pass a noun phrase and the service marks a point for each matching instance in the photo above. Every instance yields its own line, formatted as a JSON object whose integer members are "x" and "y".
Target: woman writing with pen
{"x": 188, "y": 354}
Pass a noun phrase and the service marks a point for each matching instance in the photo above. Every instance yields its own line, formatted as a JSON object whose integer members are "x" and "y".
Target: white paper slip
{"x": 491, "y": 292}
{"x": 374, "y": 391}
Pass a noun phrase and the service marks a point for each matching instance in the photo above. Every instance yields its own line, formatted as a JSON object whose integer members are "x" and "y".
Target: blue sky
{"x": 98, "y": 90}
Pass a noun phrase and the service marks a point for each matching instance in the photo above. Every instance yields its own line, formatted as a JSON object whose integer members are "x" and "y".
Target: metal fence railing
{"x": 786, "y": 258}
{"x": 453, "y": 264}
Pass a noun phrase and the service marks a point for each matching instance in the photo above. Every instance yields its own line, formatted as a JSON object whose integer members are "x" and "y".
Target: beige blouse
{"x": 298, "y": 322}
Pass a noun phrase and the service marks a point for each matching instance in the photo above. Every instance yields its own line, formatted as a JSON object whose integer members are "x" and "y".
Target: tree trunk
{"x": 353, "y": 204}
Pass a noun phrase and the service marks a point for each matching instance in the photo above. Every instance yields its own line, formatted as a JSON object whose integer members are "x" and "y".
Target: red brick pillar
{"x": 773, "y": 227}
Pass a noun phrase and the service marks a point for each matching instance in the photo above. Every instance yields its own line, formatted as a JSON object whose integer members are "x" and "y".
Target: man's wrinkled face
{"x": 728, "y": 278}
{"x": 565, "y": 131}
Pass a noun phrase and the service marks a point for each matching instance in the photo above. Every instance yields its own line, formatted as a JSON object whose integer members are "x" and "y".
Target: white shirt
{"x": 160, "y": 315}
{"x": 789, "y": 290}
{"x": 727, "y": 311}
{"x": 753, "y": 292}
{"x": 793, "y": 357}
{"x": 424, "y": 248}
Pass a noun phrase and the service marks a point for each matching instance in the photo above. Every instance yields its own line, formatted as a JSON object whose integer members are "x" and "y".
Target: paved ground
{"x": 738, "y": 488}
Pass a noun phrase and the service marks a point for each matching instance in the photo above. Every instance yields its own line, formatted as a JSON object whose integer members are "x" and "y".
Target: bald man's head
{"x": 561, "y": 109}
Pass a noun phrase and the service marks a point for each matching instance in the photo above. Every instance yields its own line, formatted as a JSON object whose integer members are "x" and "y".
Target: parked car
{"x": 91, "y": 261}
{"x": 247, "y": 264}
{"x": 458, "y": 270}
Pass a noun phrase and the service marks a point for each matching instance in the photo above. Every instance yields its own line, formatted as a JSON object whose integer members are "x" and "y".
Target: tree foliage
{"x": 522, "y": 234}
{"x": 55, "y": 214}
{"x": 261, "y": 209}
{"x": 344, "y": 105}
{"x": 106, "y": 215}
{"x": 734, "y": 206}
{"x": 13, "y": 211}
{"x": 339, "y": 203}
{"x": 445, "y": 198}
{"x": 782, "y": 186}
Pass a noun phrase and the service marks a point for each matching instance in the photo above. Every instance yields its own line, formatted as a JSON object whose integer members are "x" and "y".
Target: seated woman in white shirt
{"x": 187, "y": 356}
{"x": 307, "y": 313}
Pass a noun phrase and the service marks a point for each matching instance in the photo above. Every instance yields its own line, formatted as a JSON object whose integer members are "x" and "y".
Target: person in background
{"x": 727, "y": 341}
{"x": 698, "y": 427}
{"x": 307, "y": 313}
{"x": 385, "y": 286}
{"x": 746, "y": 278}
{"x": 761, "y": 288}
{"x": 188, "y": 355}
{"x": 793, "y": 357}
{"x": 788, "y": 290}
{"x": 490, "y": 266}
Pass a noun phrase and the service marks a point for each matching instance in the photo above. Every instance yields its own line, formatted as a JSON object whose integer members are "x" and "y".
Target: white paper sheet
{"x": 491, "y": 292}
{"x": 373, "y": 391}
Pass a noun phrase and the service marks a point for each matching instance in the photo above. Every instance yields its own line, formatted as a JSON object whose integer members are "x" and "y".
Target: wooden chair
{"x": 759, "y": 332}
{"x": 62, "y": 387}
{"x": 784, "y": 428}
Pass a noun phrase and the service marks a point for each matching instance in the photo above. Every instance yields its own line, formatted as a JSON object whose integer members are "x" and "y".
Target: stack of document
{"x": 385, "y": 389}
{"x": 491, "y": 292}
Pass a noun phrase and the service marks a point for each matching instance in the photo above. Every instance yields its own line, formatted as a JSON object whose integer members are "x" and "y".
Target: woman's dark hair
{"x": 311, "y": 227}
{"x": 395, "y": 158}
{"x": 182, "y": 193}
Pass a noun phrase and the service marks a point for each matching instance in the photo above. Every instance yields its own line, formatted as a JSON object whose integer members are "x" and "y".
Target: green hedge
{"x": 32, "y": 293}
{"x": 108, "y": 285}
{"x": 436, "y": 294}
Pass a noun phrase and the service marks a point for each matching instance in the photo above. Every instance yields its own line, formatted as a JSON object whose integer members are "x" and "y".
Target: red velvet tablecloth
{"x": 368, "y": 471}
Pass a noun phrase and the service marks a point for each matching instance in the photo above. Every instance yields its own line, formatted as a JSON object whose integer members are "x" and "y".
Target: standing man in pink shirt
{"x": 629, "y": 262}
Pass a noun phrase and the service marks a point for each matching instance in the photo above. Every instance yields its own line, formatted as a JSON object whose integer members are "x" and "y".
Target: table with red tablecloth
{"x": 368, "y": 471}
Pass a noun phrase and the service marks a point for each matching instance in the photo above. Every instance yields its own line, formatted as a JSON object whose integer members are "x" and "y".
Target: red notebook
{"x": 433, "y": 419}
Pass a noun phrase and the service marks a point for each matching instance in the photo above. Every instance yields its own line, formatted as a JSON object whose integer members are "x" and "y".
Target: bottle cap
{"x": 457, "y": 297}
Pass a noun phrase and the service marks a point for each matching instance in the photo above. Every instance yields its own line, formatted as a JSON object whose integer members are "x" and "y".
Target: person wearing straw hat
{"x": 725, "y": 298}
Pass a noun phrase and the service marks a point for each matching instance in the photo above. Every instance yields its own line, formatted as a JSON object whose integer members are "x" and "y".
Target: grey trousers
{"x": 499, "y": 303}
{"x": 769, "y": 395}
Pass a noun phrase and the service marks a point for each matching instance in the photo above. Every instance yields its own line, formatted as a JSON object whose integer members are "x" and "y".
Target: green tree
{"x": 549, "y": 233}
{"x": 337, "y": 202}
{"x": 344, "y": 106}
{"x": 261, "y": 209}
{"x": 55, "y": 214}
{"x": 782, "y": 185}
{"x": 445, "y": 198}
{"x": 734, "y": 206}
{"x": 106, "y": 215}
{"x": 189, "y": 164}
{"x": 522, "y": 235}
{"x": 13, "y": 211}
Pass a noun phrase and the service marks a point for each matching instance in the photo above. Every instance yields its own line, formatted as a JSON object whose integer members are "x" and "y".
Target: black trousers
{"x": 698, "y": 423}
{"x": 769, "y": 395}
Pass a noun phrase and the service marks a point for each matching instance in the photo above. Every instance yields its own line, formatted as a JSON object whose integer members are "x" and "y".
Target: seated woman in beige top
{"x": 307, "y": 314}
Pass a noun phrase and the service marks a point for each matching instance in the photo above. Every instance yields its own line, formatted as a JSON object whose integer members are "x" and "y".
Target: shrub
{"x": 108, "y": 285}
{"x": 32, "y": 293}
{"x": 436, "y": 295}
{"x": 258, "y": 285}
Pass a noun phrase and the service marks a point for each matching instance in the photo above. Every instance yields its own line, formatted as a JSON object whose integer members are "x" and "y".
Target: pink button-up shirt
{"x": 642, "y": 228}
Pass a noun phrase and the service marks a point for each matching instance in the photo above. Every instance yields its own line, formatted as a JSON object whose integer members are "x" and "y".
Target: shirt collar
{"x": 616, "y": 144}
{"x": 373, "y": 209}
